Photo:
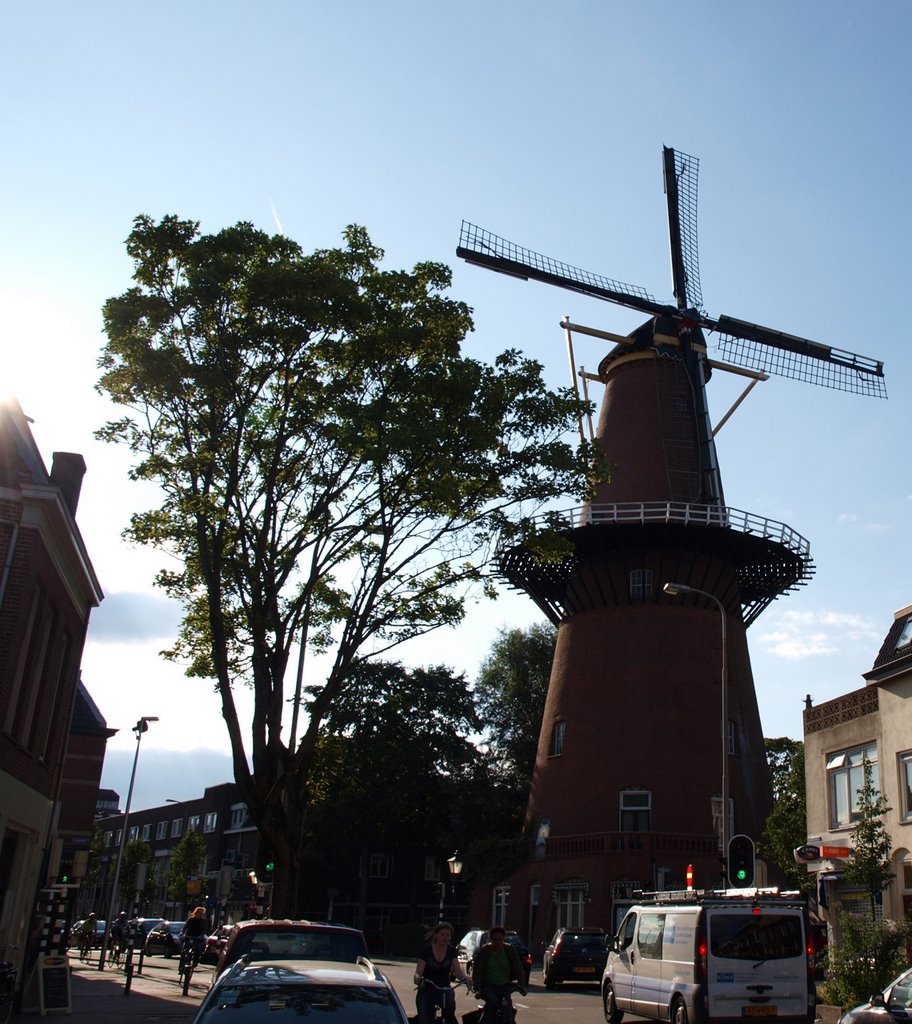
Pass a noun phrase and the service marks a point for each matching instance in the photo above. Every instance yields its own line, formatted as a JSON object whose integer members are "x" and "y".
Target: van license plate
{"x": 759, "y": 1011}
{"x": 584, "y": 970}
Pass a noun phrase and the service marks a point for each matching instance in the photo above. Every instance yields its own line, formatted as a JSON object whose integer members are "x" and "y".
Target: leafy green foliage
{"x": 869, "y": 955}
{"x": 786, "y": 826}
{"x": 510, "y": 693}
{"x": 869, "y": 865}
{"x": 333, "y": 472}
{"x": 188, "y": 861}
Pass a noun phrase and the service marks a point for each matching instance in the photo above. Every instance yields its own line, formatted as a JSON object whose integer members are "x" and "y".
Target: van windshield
{"x": 755, "y": 936}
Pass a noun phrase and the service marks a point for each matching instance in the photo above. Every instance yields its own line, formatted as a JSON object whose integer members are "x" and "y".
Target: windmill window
{"x": 845, "y": 778}
{"x": 636, "y": 810}
{"x": 641, "y": 584}
{"x": 558, "y": 732}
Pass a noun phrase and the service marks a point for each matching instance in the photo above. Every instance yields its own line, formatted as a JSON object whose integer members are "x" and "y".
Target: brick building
{"x": 47, "y": 591}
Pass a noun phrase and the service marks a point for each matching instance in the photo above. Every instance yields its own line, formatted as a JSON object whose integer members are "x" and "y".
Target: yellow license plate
{"x": 584, "y": 970}
{"x": 759, "y": 1011}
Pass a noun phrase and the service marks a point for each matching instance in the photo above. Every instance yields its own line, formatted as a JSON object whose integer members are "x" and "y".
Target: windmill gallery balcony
{"x": 770, "y": 558}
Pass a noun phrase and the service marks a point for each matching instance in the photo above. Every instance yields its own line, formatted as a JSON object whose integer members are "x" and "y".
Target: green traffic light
{"x": 742, "y": 874}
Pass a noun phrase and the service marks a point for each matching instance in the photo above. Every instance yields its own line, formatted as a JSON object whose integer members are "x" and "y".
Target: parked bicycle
{"x": 7, "y": 986}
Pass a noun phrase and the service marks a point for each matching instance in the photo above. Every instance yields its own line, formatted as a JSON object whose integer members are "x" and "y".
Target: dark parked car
{"x": 894, "y": 1003}
{"x": 292, "y": 940}
{"x": 575, "y": 954}
{"x": 165, "y": 938}
{"x": 287, "y": 992}
{"x": 142, "y": 926}
{"x": 474, "y": 939}
{"x": 76, "y": 932}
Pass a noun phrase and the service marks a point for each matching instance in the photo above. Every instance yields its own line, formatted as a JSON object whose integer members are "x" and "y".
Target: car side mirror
{"x": 877, "y": 999}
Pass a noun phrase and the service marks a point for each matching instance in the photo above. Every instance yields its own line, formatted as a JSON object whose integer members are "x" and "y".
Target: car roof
{"x": 303, "y": 972}
{"x": 274, "y": 923}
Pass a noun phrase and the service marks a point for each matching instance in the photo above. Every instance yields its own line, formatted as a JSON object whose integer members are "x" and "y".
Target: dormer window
{"x": 905, "y": 637}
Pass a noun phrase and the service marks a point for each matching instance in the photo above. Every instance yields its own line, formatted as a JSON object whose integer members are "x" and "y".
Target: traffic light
{"x": 741, "y": 862}
{"x": 65, "y": 871}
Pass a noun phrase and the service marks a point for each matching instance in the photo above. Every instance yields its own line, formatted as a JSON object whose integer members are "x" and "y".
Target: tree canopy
{"x": 334, "y": 471}
{"x": 786, "y": 826}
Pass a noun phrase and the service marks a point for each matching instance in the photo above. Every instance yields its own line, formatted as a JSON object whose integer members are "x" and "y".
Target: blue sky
{"x": 543, "y": 122}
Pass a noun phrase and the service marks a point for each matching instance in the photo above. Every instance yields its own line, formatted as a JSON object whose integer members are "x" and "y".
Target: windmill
{"x": 626, "y": 790}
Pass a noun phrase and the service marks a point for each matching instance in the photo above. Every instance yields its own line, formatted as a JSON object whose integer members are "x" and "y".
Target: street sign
{"x": 806, "y": 854}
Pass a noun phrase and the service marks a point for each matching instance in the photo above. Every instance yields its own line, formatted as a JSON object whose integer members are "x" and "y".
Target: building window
{"x": 177, "y": 826}
{"x": 133, "y": 834}
{"x": 161, "y": 830}
{"x": 238, "y": 815}
{"x": 569, "y": 902}
{"x": 905, "y": 637}
{"x": 380, "y": 866}
{"x": 146, "y": 833}
{"x": 557, "y": 738}
{"x": 193, "y": 823}
{"x": 905, "y": 784}
{"x": 108, "y": 838}
{"x": 641, "y": 584}
{"x": 636, "y": 808}
{"x": 731, "y": 737}
{"x": 499, "y": 900}
{"x": 210, "y": 821}
{"x": 845, "y": 778}
{"x": 431, "y": 869}
{"x": 117, "y": 836}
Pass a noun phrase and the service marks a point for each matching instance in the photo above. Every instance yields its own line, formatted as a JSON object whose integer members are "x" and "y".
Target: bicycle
{"x": 191, "y": 951}
{"x": 85, "y": 946}
{"x": 500, "y": 1010}
{"x": 7, "y": 987}
{"x": 443, "y": 995}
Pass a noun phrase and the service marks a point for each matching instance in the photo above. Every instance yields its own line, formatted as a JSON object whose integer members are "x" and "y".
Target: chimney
{"x": 67, "y": 471}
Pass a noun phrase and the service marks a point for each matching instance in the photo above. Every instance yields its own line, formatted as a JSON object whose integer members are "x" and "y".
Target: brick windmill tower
{"x": 651, "y": 724}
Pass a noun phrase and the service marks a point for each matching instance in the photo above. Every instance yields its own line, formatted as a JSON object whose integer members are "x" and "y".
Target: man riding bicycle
{"x": 496, "y": 970}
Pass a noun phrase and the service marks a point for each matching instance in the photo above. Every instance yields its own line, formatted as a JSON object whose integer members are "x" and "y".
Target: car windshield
{"x": 262, "y": 944}
{"x": 901, "y": 993}
{"x": 577, "y": 943}
{"x": 755, "y": 936}
{"x": 342, "y": 1004}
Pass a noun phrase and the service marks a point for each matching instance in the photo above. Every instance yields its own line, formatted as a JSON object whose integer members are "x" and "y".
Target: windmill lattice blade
{"x": 841, "y": 371}
{"x": 489, "y": 250}
{"x": 682, "y": 226}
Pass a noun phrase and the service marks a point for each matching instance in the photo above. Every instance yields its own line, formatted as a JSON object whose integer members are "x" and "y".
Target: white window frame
{"x": 905, "y": 784}
{"x": 570, "y": 905}
{"x": 845, "y": 777}
{"x": 500, "y": 899}
{"x": 381, "y": 866}
{"x": 641, "y": 584}
{"x": 635, "y": 802}
{"x": 133, "y": 834}
{"x": 193, "y": 823}
{"x": 210, "y": 821}
{"x": 161, "y": 830}
{"x": 558, "y": 738}
{"x": 146, "y": 832}
{"x": 238, "y": 815}
{"x": 177, "y": 827}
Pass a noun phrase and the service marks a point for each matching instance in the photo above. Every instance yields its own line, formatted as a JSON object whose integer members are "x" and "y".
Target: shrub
{"x": 869, "y": 956}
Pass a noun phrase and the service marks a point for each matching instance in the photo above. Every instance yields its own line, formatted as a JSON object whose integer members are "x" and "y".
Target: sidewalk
{"x": 98, "y": 996}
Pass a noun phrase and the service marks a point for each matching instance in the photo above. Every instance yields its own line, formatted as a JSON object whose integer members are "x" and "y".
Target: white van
{"x": 704, "y": 958}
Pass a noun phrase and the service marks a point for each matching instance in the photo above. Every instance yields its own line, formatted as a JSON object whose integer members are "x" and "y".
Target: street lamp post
{"x": 141, "y": 726}
{"x": 679, "y": 588}
{"x": 454, "y": 863}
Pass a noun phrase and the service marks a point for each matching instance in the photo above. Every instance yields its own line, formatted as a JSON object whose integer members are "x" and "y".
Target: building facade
{"x": 873, "y": 724}
{"x": 48, "y": 588}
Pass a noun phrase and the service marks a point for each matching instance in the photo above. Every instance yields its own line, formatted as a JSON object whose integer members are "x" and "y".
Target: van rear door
{"x": 757, "y": 962}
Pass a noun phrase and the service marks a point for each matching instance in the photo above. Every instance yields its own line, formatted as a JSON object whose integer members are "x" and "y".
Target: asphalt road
{"x": 567, "y": 1004}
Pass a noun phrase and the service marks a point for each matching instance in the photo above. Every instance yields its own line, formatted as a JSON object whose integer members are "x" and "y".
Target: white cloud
{"x": 796, "y": 635}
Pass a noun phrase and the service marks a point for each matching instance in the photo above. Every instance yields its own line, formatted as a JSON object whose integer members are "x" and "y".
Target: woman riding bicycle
{"x": 194, "y": 932}
{"x": 438, "y": 962}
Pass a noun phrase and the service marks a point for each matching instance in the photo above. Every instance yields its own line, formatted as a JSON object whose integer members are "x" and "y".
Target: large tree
{"x": 333, "y": 471}
{"x": 786, "y": 826}
{"x": 510, "y": 693}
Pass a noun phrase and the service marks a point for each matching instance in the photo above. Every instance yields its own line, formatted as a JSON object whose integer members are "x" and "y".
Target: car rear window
{"x": 589, "y": 941}
{"x": 262, "y": 944}
{"x": 340, "y": 1004}
{"x": 755, "y": 936}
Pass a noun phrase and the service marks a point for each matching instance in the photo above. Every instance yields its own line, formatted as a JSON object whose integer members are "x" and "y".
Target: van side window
{"x": 652, "y": 929}
{"x": 628, "y": 927}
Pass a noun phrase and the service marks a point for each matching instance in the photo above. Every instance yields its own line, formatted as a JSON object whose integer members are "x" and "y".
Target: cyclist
{"x": 193, "y": 934}
{"x": 495, "y": 971}
{"x": 438, "y": 961}
{"x": 119, "y": 937}
{"x": 87, "y": 936}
